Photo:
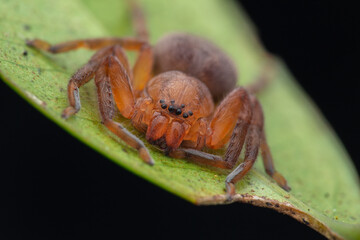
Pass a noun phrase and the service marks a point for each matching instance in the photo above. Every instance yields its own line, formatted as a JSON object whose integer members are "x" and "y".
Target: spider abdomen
{"x": 196, "y": 57}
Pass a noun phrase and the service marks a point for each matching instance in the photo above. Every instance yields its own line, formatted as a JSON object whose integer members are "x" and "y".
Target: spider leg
{"x": 255, "y": 138}
{"x": 249, "y": 127}
{"x": 92, "y": 44}
{"x": 265, "y": 78}
{"x": 231, "y": 119}
{"x": 251, "y": 152}
{"x": 138, "y": 20}
{"x": 82, "y": 76}
{"x": 105, "y": 77}
{"x": 115, "y": 67}
{"x": 199, "y": 157}
{"x": 86, "y": 73}
{"x": 125, "y": 87}
{"x": 269, "y": 164}
{"x": 143, "y": 66}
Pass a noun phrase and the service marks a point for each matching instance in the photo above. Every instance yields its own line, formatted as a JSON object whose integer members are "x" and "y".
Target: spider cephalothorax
{"x": 178, "y": 102}
{"x": 175, "y": 109}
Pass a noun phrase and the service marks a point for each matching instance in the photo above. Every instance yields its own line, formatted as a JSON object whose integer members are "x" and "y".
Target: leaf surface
{"x": 325, "y": 187}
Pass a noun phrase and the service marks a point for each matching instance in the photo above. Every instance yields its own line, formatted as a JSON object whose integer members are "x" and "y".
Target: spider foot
{"x": 281, "y": 181}
{"x": 144, "y": 154}
{"x": 68, "y": 112}
{"x": 39, "y": 44}
{"x": 230, "y": 191}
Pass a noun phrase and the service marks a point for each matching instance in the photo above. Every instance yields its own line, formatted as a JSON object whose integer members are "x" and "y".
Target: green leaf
{"x": 325, "y": 188}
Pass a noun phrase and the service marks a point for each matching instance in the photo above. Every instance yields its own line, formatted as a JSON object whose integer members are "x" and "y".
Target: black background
{"x": 54, "y": 187}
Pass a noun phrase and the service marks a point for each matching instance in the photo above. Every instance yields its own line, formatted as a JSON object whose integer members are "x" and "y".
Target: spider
{"x": 170, "y": 95}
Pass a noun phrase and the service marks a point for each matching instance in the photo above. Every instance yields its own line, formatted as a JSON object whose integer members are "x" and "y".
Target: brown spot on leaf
{"x": 27, "y": 27}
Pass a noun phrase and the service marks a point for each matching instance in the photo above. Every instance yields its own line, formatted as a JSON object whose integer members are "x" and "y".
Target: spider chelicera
{"x": 170, "y": 95}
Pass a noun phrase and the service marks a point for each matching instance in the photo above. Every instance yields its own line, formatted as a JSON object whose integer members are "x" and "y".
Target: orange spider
{"x": 175, "y": 109}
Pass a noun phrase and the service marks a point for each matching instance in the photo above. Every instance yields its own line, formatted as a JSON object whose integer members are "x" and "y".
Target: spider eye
{"x": 185, "y": 115}
{"x": 190, "y": 113}
{"x": 182, "y": 105}
{"x": 163, "y": 106}
{"x": 162, "y": 101}
{"x": 171, "y": 108}
{"x": 178, "y": 111}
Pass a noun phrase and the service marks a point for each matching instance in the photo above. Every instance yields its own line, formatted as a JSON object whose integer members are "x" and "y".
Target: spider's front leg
{"x": 231, "y": 119}
{"x": 238, "y": 118}
{"x": 128, "y": 43}
{"x": 255, "y": 139}
{"x": 107, "y": 46}
{"x": 113, "y": 80}
{"x": 113, "y": 83}
{"x": 84, "y": 75}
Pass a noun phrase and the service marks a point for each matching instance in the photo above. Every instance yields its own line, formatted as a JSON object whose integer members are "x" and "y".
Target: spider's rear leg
{"x": 138, "y": 20}
{"x": 265, "y": 78}
{"x": 110, "y": 78}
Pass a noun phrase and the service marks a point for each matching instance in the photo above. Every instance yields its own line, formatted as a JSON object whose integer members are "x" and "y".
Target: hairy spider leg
{"x": 127, "y": 43}
{"x": 255, "y": 139}
{"x": 251, "y": 149}
{"x": 119, "y": 78}
{"x": 269, "y": 164}
{"x": 142, "y": 68}
{"x": 111, "y": 71}
{"x": 198, "y": 156}
{"x": 232, "y": 118}
{"x": 138, "y": 20}
{"x": 265, "y": 78}
{"x": 82, "y": 76}
{"x": 247, "y": 129}
{"x": 113, "y": 63}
